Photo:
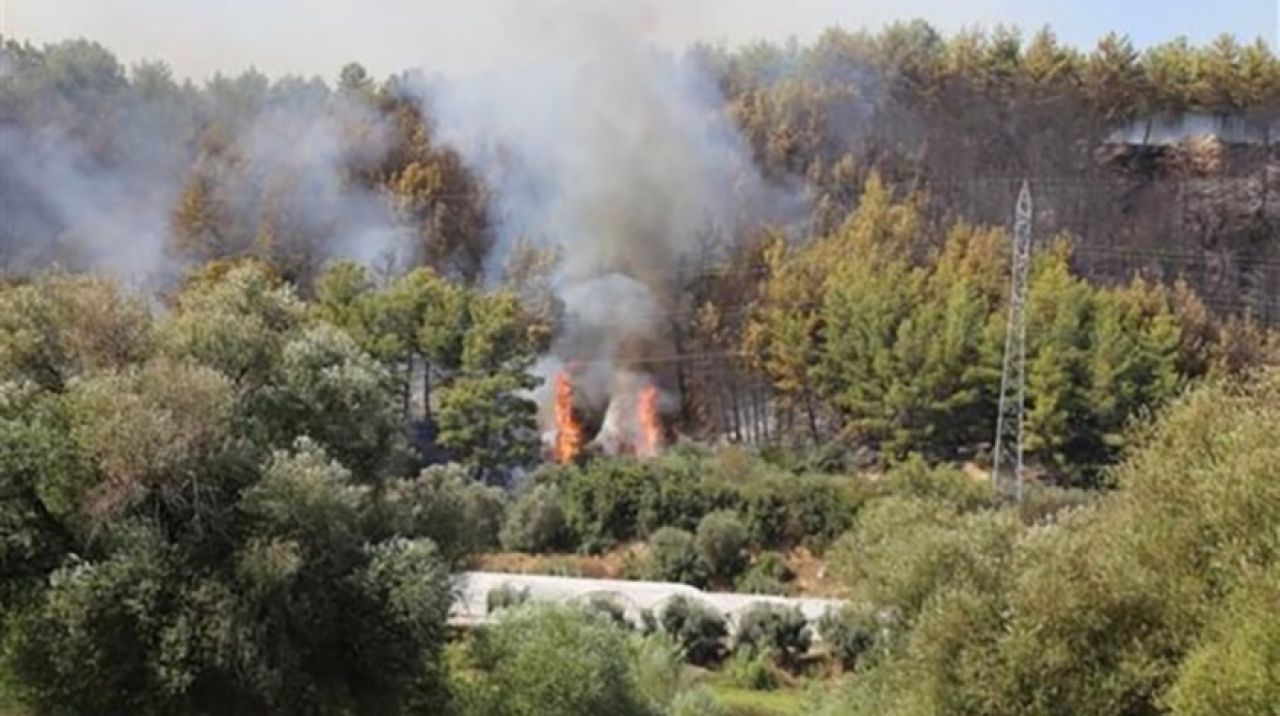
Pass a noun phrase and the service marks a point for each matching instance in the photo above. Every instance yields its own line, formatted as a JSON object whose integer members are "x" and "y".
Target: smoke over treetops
{"x": 620, "y": 159}
{"x": 588, "y": 139}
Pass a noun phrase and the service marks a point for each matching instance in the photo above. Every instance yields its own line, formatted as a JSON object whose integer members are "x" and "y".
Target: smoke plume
{"x": 617, "y": 156}
{"x": 92, "y": 169}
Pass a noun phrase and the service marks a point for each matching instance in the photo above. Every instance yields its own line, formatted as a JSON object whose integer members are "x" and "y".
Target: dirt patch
{"x": 610, "y": 565}
{"x": 811, "y": 578}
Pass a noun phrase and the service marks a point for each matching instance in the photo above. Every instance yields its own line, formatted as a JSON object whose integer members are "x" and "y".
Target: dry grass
{"x": 810, "y": 570}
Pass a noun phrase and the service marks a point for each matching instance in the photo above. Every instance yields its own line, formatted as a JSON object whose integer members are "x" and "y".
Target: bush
{"x": 907, "y": 550}
{"x": 458, "y": 513}
{"x": 775, "y": 629}
{"x": 722, "y": 544}
{"x": 1236, "y": 670}
{"x": 769, "y": 574}
{"x": 1156, "y": 597}
{"x": 754, "y": 582}
{"x": 660, "y": 670}
{"x": 915, "y": 478}
{"x": 551, "y": 659}
{"x": 610, "y": 609}
{"x": 751, "y": 670}
{"x": 699, "y": 629}
{"x": 536, "y": 522}
{"x": 609, "y": 501}
{"x": 505, "y": 596}
{"x": 848, "y": 634}
{"x": 784, "y": 509}
{"x": 674, "y": 558}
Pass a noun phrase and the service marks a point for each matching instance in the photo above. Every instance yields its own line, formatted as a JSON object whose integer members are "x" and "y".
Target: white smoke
{"x": 91, "y": 176}
{"x": 618, "y": 156}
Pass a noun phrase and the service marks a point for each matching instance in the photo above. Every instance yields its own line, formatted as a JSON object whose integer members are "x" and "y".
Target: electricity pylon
{"x": 1007, "y": 449}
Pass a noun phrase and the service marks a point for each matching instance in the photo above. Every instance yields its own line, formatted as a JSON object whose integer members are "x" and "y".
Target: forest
{"x": 280, "y": 358}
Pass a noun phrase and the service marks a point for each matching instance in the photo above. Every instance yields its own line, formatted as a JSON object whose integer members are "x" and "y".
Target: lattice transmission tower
{"x": 1007, "y": 450}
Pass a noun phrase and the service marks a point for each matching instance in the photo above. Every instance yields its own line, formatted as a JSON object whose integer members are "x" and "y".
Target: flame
{"x": 568, "y": 432}
{"x": 650, "y": 438}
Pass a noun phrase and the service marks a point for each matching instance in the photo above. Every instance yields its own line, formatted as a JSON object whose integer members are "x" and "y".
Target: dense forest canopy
{"x": 642, "y": 265}
{"x": 277, "y": 356}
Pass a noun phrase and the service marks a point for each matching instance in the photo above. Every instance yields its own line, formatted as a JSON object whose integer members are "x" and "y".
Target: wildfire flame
{"x": 568, "y": 440}
{"x": 650, "y": 438}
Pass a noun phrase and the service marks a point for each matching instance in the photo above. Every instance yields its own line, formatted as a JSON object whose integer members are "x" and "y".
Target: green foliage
{"x": 673, "y": 557}
{"x": 849, "y": 633}
{"x": 607, "y": 501}
{"x": 699, "y": 629}
{"x": 768, "y": 574}
{"x": 485, "y": 420}
{"x": 721, "y": 542}
{"x": 542, "y": 659}
{"x": 1236, "y": 667}
{"x": 610, "y": 608}
{"x": 208, "y": 523}
{"x": 915, "y": 478}
{"x": 505, "y": 596}
{"x": 905, "y": 550}
{"x": 660, "y": 670}
{"x": 443, "y": 503}
{"x": 773, "y": 629}
{"x": 61, "y": 326}
{"x": 750, "y": 669}
{"x": 698, "y": 702}
{"x": 332, "y": 391}
{"x": 901, "y": 347}
{"x": 236, "y": 323}
{"x": 476, "y": 346}
{"x": 1156, "y": 596}
{"x": 535, "y": 521}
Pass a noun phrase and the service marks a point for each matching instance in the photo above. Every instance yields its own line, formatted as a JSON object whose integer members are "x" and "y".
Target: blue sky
{"x": 198, "y": 37}
{"x": 1150, "y": 21}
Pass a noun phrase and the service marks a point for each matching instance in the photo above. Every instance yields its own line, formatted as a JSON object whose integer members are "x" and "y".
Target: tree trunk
{"x": 426, "y": 390}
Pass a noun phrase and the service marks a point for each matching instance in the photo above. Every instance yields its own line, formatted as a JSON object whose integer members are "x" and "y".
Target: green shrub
{"x": 768, "y": 574}
{"x": 915, "y": 478}
{"x": 443, "y": 503}
{"x": 505, "y": 596}
{"x": 551, "y": 659}
{"x": 782, "y": 510}
{"x": 754, "y": 582}
{"x": 601, "y": 500}
{"x": 1157, "y": 597}
{"x": 722, "y": 543}
{"x": 1236, "y": 670}
{"x": 775, "y": 629}
{"x": 609, "y": 608}
{"x": 536, "y": 522}
{"x": 674, "y": 558}
{"x": 609, "y": 501}
{"x": 904, "y": 551}
{"x": 660, "y": 669}
{"x": 750, "y": 669}
{"x": 699, "y": 629}
{"x": 848, "y": 633}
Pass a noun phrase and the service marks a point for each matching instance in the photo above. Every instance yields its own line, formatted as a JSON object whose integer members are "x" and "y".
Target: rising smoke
{"x": 619, "y": 157}
{"x": 92, "y": 169}
{"x": 594, "y": 141}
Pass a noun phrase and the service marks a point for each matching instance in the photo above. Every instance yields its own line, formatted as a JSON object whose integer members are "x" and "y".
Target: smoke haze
{"x": 617, "y": 156}
{"x": 318, "y": 36}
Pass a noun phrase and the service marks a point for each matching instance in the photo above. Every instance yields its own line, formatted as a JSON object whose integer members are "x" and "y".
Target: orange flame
{"x": 568, "y": 431}
{"x": 650, "y": 423}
